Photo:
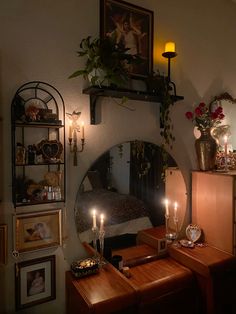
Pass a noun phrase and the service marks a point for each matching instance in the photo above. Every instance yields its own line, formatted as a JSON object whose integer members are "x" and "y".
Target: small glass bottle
{"x": 50, "y": 194}
{"x": 57, "y": 193}
{"x": 44, "y": 194}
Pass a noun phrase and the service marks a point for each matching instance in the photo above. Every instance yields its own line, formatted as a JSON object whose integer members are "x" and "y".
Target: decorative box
{"x": 84, "y": 267}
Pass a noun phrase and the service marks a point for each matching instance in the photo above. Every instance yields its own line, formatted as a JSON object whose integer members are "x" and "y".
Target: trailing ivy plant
{"x": 167, "y": 129}
{"x": 160, "y": 85}
{"x": 106, "y": 62}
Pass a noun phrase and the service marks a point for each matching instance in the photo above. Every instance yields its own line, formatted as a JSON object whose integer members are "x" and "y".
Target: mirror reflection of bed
{"x": 126, "y": 185}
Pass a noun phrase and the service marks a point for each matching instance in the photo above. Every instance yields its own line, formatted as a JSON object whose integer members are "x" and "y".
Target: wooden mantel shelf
{"x": 95, "y": 91}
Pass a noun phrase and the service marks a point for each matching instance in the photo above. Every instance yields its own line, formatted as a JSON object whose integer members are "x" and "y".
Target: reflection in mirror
{"x": 126, "y": 185}
{"x": 228, "y": 125}
{"x": 225, "y": 133}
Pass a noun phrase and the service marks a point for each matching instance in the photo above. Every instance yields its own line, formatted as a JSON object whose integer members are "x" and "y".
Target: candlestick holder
{"x": 95, "y": 238}
{"x": 101, "y": 243}
{"x": 176, "y": 242}
{"x": 226, "y": 168}
{"x": 169, "y": 234}
{"x": 74, "y": 149}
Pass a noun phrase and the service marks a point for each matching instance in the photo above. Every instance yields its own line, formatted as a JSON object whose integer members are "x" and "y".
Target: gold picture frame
{"x": 38, "y": 230}
{"x": 3, "y": 244}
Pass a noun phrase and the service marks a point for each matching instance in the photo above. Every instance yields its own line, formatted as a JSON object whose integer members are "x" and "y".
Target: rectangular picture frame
{"x": 35, "y": 281}
{"x": 38, "y": 230}
{"x": 3, "y": 244}
{"x": 131, "y": 26}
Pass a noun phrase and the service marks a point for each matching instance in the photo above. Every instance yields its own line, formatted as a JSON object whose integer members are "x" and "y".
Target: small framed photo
{"x": 132, "y": 27}
{"x": 3, "y": 244}
{"x": 35, "y": 281}
{"x": 34, "y": 231}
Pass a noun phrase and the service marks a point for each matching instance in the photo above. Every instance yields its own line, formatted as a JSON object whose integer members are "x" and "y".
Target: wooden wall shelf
{"x": 95, "y": 92}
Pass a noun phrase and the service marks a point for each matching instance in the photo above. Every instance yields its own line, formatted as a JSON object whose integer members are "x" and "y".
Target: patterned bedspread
{"x": 116, "y": 207}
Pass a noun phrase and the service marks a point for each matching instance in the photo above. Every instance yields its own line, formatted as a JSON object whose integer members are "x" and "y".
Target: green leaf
{"x": 78, "y": 73}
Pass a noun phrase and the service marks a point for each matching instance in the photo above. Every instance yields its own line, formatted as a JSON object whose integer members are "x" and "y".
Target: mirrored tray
{"x": 193, "y": 232}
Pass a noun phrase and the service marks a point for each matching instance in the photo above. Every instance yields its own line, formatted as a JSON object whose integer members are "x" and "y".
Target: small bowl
{"x": 187, "y": 243}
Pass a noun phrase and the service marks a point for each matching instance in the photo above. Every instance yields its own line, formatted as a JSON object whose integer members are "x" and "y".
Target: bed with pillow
{"x": 124, "y": 215}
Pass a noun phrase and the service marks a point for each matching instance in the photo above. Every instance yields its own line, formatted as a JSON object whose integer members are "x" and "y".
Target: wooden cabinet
{"x": 105, "y": 292}
{"x": 213, "y": 208}
{"x": 215, "y": 272}
{"x": 38, "y": 145}
{"x": 162, "y": 286}
{"x": 200, "y": 280}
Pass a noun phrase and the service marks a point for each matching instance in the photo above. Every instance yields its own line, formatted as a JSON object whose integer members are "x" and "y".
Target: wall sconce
{"x": 169, "y": 54}
{"x": 74, "y": 129}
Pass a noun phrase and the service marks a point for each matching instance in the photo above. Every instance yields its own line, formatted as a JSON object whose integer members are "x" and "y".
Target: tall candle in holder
{"x": 167, "y": 216}
{"x": 167, "y": 207}
{"x": 226, "y": 151}
{"x": 94, "y": 218}
{"x": 101, "y": 240}
{"x": 176, "y": 221}
{"x": 101, "y": 222}
{"x": 95, "y": 231}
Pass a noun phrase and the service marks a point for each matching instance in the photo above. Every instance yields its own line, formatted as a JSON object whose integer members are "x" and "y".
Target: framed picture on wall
{"x": 3, "y": 244}
{"x": 35, "y": 281}
{"x": 132, "y": 27}
{"x": 34, "y": 231}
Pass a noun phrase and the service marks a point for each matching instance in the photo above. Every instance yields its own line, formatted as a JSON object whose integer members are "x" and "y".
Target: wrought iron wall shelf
{"x": 38, "y": 145}
{"x": 95, "y": 92}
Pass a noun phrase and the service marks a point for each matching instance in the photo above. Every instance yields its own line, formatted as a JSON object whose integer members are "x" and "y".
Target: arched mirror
{"x": 126, "y": 185}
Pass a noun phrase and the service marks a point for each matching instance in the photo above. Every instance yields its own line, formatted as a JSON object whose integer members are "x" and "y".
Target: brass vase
{"x": 206, "y": 148}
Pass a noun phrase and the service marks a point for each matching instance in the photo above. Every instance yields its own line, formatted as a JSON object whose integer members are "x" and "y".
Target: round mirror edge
{"x": 184, "y": 221}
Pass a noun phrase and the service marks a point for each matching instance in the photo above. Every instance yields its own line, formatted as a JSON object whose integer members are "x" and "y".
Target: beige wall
{"x": 38, "y": 40}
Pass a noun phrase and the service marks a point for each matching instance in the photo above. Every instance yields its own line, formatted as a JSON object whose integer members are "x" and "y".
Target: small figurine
{"x": 74, "y": 117}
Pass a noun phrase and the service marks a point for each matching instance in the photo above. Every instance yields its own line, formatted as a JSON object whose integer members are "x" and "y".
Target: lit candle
{"x": 226, "y": 144}
{"x": 167, "y": 207}
{"x": 170, "y": 47}
{"x": 101, "y": 222}
{"x": 175, "y": 210}
{"x": 94, "y": 219}
{"x": 70, "y": 129}
{"x": 82, "y": 130}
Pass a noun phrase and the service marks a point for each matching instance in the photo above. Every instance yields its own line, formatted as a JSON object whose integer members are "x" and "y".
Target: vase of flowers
{"x": 205, "y": 118}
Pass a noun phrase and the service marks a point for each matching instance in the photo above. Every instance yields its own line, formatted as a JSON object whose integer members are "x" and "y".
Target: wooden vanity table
{"x": 200, "y": 280}
{"x": 162, "y": 284}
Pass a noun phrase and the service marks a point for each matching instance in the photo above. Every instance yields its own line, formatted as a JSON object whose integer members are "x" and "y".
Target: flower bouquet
{"x": 204, "y": 117}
